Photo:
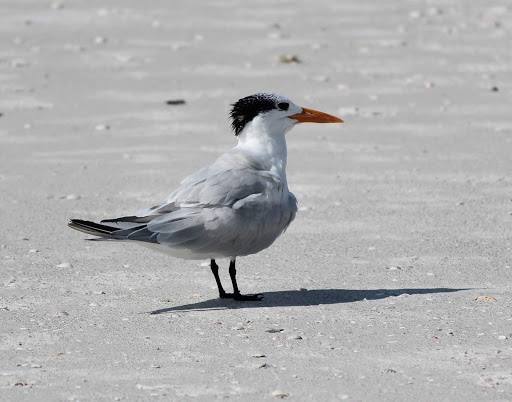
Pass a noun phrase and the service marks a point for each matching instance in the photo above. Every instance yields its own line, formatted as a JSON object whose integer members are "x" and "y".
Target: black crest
{"x": 249, "y": 107}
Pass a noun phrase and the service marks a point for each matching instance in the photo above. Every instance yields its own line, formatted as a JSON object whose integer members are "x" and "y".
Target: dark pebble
{"x": 175, "y": 102}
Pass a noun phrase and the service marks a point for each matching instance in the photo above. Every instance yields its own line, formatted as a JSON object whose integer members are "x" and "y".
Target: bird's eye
{"x": 283, "y": 105}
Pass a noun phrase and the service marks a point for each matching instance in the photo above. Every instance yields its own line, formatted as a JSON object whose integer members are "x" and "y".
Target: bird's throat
{"x": 269, "y": 148}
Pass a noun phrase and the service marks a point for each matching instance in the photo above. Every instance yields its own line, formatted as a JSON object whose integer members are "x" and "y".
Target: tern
{"x": 237, "y": 206}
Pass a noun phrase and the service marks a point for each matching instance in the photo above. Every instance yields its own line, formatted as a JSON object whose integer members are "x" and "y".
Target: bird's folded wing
{"x": 203, "y": 209}
{"x": 228, "y": 180}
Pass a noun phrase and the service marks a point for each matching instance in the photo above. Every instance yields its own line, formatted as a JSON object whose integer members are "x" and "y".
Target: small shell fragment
{"x": 485, "y": 299}
{"x": 288, "y": 58}
{"x": 262, "y": 365}
{"x": 295, "y": 337}
{"x": 280, "y": 394}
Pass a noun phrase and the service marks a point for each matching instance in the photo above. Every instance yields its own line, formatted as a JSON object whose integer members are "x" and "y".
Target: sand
{"x": 405, "y": 210}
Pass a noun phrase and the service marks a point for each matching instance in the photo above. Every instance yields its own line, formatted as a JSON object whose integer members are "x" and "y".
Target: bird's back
{"x": 233, "y": 207}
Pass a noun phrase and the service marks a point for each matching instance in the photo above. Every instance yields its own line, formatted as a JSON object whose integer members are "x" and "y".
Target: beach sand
{"x": 394, "y": 281}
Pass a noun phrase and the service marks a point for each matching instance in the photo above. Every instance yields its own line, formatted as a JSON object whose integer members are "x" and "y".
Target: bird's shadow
{"x": 303, "y": 297}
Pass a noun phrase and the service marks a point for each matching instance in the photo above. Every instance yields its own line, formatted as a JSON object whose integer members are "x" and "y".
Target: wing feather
{"x": 208, "y": 213}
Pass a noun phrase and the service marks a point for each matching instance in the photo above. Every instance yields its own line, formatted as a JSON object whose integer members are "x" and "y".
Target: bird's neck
{"x": 269, "y": 147}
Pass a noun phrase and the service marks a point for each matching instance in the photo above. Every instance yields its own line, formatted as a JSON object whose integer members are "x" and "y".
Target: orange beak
{"x": 314, "y": 116}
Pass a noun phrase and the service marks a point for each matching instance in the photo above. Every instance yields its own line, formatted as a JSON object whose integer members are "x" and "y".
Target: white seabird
{"x": 238, "y": 205}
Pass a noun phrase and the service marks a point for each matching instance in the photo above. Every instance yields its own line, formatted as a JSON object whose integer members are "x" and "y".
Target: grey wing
{"x": 229, "y": 179}
{"x": 172, "y": 228}
{"x": 200, "y": 212}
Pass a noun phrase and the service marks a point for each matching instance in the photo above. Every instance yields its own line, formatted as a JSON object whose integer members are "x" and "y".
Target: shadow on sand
{"x": 290, "y": 298}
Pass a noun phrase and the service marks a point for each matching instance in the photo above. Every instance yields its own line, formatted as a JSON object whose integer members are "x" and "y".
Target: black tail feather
{"x": 131, "y": 219}
{"x": 92, "y": 228}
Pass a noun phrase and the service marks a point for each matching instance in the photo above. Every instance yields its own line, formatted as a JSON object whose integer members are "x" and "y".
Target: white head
{"x": 272, "y": 114}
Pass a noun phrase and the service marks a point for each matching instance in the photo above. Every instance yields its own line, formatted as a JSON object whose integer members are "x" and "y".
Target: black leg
{"x": 215, "y": 270}
{"x": 232, "y": 275}
{"x": 236, "y": 292}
